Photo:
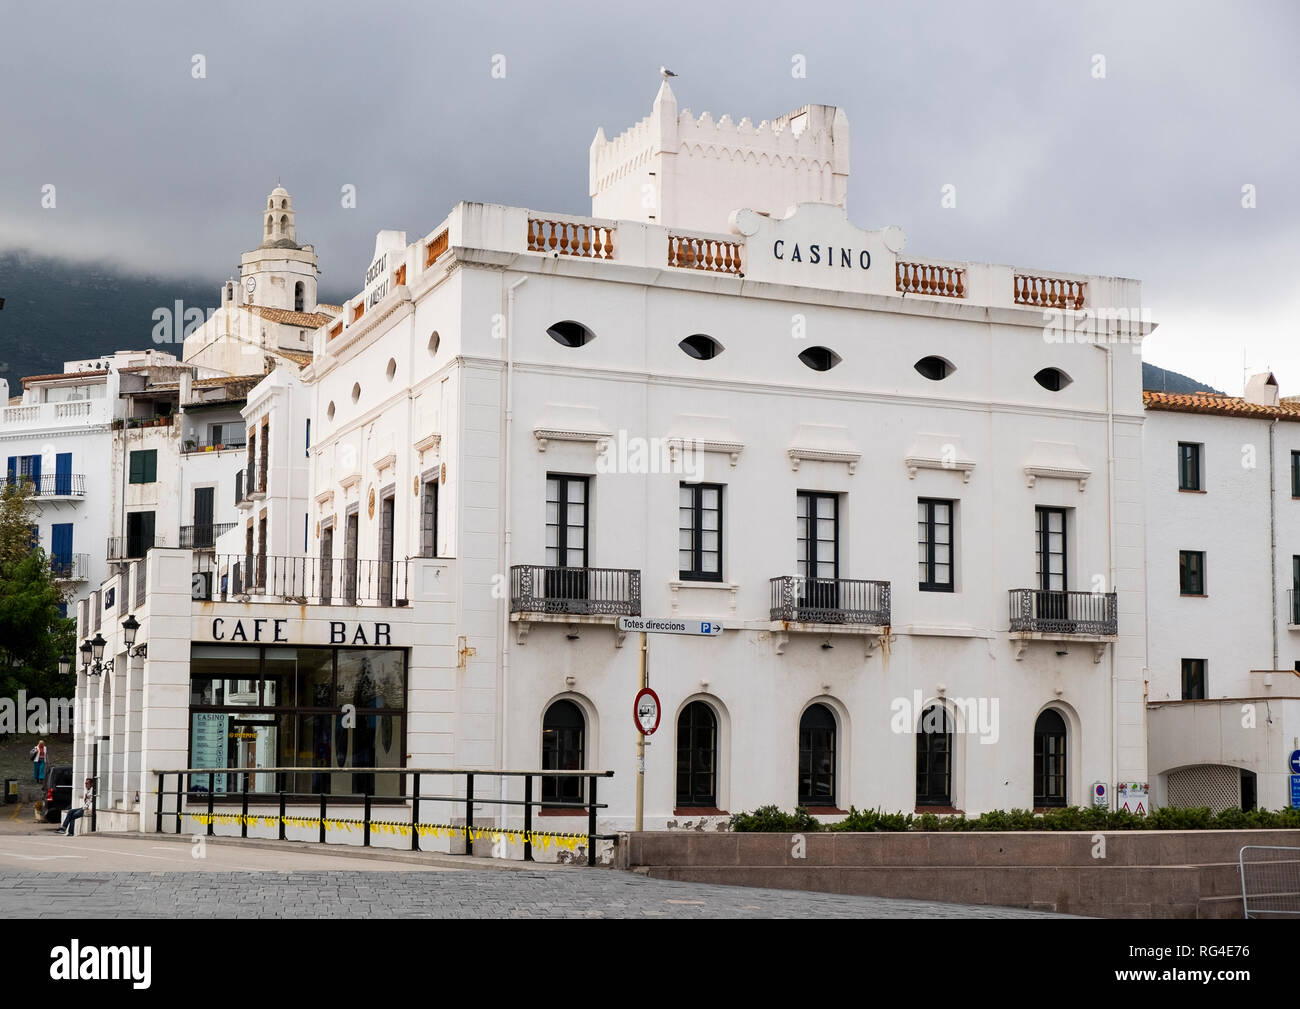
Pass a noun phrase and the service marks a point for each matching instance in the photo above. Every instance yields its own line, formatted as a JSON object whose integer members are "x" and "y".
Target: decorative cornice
{"x": 430, "y": 441}
{"x": 546, "y": 435}
{"x": 384, "y": 462}
{"x": 1032, "y": 473}
{"x": 914, "y": 462}
{"x": 349, "y": 481}
{"x": 730, "y": 448}
{"x": 798, "y": 455}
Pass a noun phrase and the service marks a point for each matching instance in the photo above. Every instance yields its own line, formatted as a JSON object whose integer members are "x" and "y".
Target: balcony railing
{"x": 339, "y": 581}
{"x": 571, "y": 238}
{"x": 830, "y": 600}
{"x": 578, "y": 591}
{"x": 203, "y": 537}
{"x": 53, "y": 484}
{"x": 191, "y": 447}
{"x": 1052, "y": 612}
{"x": 709, "y": 254}
{"x": 1047, "y": 292}
{"x": 129, "y": 548}
{"x": 70, "y": 567}
{"x": 930, "y": 278}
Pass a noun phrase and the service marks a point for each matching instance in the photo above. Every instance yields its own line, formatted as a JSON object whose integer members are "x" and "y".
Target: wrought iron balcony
{"x": 338, "y": 581}
{"x": 1055, "y": 612}
{"x": 798, "y": 599}
{"x": 70, "y": 567}
{"x": 204, "y": 537}
{"x": 53, "y": 485}
{"x": 577, "y": 591}
{"x": 127, "y": 548}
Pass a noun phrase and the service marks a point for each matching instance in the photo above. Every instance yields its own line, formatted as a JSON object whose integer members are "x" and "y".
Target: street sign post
{"x": 646, "y": 709}
{"x": 670, "y": 625}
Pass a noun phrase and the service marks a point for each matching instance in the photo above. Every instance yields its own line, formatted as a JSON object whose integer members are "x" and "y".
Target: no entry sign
{"x": 646, "y": 711}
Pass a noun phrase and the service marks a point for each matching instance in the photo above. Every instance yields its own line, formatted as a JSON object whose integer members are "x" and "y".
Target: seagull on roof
{"x": 665, "y": 73}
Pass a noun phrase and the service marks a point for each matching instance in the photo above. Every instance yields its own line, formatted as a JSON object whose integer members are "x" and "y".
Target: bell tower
{"x": 279, "y": 273}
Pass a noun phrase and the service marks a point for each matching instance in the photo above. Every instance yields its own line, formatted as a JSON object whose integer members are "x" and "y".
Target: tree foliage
{"x": 32, "y": 632}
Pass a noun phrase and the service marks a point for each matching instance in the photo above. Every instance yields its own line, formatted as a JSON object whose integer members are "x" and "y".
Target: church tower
{"x": 279, "y": 273}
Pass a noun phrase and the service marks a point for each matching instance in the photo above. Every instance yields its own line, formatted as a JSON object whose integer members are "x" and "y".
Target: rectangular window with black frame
{"x": 934, "y": 544}
{"x": 1193, "y": 679}
{"x": 699, "y": 545}
{"x": 1295, "y": 474}
{"x": 1189, "y": 466}
{"x": 1191, "y": 572}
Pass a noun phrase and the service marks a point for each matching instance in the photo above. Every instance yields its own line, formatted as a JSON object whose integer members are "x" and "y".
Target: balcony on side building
{"x": 572, "y": 596}
{"x": 131, "y": 547}
{"x": 338, "y": 581}
{"x": 52, "y": 486}
{"x": 70, "y": 567}
{"x": 204, "y": 536}
{"x": 829, "y": 606}
{"x": 1063, "y": 617}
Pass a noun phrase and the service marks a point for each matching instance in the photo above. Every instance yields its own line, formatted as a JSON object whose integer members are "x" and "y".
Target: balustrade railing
{"x": 1048, "y": 292}
{"x": 709, "y": 254}
{"x": 571, "y": 238}
{"x": 930, "y": 278}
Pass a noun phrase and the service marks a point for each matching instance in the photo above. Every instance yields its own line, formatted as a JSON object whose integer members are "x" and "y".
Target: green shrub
{"x": 773, "y": 820}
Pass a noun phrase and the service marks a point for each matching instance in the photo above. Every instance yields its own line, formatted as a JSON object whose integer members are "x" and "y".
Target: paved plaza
{"x": 43, "y": 874}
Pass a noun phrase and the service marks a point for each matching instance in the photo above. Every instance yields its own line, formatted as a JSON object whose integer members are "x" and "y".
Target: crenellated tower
{"x": 674, "y": 169}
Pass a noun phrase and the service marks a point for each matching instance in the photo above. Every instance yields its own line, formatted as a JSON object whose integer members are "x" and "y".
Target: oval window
{"x": 434, "y": 340}
{"x": 701, "y": 347}
{"x": 820, "y": 358}
{"x": 936, "y": 369}
{"x": 329, "y": 412}
{"x": 392, "y": 369}
{"x": 356, "y": 391}
{"x": 571, "y": 334}
{"x": 1053, "y": 379}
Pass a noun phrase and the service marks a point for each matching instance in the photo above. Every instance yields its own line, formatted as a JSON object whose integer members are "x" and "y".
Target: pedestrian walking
{"x": 87, "y": 804}
{"x": 38, "y": 762}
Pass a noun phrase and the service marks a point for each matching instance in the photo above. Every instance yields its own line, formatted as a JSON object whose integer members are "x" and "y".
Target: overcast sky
{"x": 1138, "y": 173}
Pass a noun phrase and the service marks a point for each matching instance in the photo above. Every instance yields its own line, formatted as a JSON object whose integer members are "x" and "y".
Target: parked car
{"x": 58, "y": 792}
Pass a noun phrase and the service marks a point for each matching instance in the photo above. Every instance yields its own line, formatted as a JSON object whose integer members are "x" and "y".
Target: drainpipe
{"x": 1272, "y": 535}
{"x": 1110, "y": 556}
{"x": 506, "y": 522}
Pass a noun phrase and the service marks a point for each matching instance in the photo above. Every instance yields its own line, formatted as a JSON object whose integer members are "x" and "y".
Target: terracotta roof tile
{"x": 66, "y": 374}
{"x": 332, "y": 309}
{"x": 302, "y": 360}
{"x": 1215, "y": 403}
{"x": 308, "y": 320}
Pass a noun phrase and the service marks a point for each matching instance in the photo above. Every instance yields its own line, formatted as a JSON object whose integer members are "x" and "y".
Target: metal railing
{"x": 340, "y": 581}
{"x": 1270, "y": 881}
{"x": 192, "y": 446}
{"x": 204, "y": 537}
{"x": 1059, "y": 612}
{"x": 128, "y": 548}
{"x": 203, "y": 797}
{"x": 52, "y": 484}
{"x": 70, "y": 567}
{"x": 830, "y": 600}
{"x": 599, "y": 591}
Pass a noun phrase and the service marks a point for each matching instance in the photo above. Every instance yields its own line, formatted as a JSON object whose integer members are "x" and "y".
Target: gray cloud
{"x": 1137, "y": 174}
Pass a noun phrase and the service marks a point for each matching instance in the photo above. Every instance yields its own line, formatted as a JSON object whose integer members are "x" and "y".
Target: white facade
{"x": 1224, "y": 687}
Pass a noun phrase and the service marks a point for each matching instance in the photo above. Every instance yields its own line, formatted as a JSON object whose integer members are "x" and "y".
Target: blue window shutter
{"x": 13, "y": 469}
{"x": 63, "y": 473}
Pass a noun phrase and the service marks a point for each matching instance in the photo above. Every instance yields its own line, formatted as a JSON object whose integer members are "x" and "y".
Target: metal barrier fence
{"x": 1270, "y": 881}
{"x": 205, "y": 798}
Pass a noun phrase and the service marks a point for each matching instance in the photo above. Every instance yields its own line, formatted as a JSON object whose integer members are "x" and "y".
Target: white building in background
{"x": 59, "y": 435}
{"x": 1223, "y": 569}
{"x": 917, "y": 518}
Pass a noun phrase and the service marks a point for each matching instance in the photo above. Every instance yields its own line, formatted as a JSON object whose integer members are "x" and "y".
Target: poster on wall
{"x": 1134, "y": 797}
{"x": 208, "y": 735}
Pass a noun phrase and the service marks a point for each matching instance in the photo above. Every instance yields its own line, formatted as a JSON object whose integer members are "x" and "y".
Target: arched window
{"x": 563, "y": 741}
{"x": 268, "y": 225}
{"x": 284, "y": 224}
{"x": 697, "y": 756}
{"x": 298, "y": 297}
{"x": 1049, "y": 759}
{"x": 934, "y": 758}
{"x": 817, "y": 757}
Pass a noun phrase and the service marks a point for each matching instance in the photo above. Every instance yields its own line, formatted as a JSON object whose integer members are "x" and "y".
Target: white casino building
{"x": 918, "y": 520}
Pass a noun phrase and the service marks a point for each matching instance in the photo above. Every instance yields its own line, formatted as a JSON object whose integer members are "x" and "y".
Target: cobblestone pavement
{"x": 473, "y": 893}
